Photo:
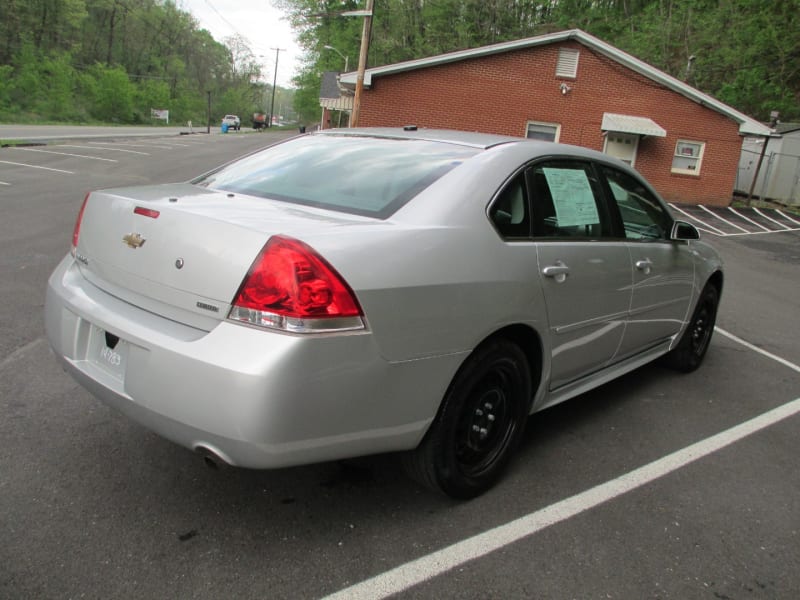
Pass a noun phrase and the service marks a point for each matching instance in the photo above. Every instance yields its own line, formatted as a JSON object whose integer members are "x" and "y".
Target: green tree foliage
{"x": 746, "y": 52}
{"x": 114, "y": 60}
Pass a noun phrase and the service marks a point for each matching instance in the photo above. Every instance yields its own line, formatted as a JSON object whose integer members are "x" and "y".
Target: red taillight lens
{"x": 76, "y": 232}
{"x": 291, "y": 287}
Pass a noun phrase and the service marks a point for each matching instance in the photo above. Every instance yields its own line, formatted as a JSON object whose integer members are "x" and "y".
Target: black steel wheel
{"x": 693, "y": 345}
{"x": 479, "y": 423}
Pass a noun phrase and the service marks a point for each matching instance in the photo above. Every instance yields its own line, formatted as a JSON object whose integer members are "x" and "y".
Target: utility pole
{"x": 362, "y": 63}
{"x": 773, "y": 121}
{"x": 208, "y": 127}
{"x": 274, "y": 83}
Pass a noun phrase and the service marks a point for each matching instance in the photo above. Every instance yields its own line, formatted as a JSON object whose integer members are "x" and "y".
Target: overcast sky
{"x": 264, "y": 27}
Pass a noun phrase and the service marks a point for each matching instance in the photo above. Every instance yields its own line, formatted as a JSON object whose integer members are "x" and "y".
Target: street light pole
{"x": 346, "y": 58}
{"x": 274, "y": 84}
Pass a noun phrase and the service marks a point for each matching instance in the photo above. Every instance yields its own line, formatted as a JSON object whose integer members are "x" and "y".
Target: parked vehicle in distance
{"x": 232, "y": 121}
{"x": 362, "y": 291}
{"x": 259, "y": 120}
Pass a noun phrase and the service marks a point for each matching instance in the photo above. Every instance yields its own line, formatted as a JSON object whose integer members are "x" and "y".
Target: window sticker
{"x": 572, "y": 197}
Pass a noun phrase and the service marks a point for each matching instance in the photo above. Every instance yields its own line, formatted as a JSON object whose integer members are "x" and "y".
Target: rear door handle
{"x": 558, "y": 271}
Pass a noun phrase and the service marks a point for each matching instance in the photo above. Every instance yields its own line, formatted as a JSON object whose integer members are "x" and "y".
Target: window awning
{"x": 340, "y": 103}
{"x": 631, "y": 124}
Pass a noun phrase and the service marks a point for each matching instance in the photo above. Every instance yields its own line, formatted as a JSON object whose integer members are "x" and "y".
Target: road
{"x": 45, "y": 133}
{"x": 645, "y": 488}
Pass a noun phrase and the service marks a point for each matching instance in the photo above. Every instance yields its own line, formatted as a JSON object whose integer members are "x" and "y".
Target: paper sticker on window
{"x": 572, "y": 197}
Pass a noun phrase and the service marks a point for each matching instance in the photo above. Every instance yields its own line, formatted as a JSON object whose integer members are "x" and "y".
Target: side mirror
{"x": 682, "y": 231}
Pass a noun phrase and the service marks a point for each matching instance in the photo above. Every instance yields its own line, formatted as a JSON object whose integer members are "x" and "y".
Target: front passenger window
{"x": 643, "y": 216}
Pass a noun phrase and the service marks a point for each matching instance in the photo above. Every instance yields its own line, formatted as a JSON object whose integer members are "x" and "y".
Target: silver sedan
{"x": 354, "y": 292}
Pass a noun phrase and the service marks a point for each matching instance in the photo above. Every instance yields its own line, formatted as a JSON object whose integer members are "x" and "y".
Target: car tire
{"x": 693, "y": 345}
{"x": 479, "y": 424}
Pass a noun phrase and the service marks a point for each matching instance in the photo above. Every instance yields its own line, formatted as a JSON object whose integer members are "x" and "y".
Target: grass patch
{"x": 757, "y": 203}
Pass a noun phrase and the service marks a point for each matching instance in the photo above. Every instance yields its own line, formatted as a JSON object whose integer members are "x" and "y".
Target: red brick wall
{"x": 501, "y": 93}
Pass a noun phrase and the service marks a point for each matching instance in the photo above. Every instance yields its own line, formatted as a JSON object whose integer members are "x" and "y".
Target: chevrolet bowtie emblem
{"x": 133, "y": 240}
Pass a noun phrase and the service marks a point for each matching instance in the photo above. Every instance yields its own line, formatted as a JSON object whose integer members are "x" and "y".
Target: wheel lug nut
{"x": 475, "y": 428}
{"x": 490, "y": 417}
{"x": 488, "y": 406}
{"x": 479, "y": 412}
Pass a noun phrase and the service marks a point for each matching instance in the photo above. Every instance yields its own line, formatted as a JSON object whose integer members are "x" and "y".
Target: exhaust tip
{"x": 212, "y": 459}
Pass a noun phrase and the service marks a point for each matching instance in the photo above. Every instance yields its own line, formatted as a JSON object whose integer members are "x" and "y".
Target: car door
{"x": 585, "y": 274}
{"x": 663, "y": 270}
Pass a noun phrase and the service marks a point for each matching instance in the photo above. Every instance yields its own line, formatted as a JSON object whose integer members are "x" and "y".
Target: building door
{"x": 622, "y": 146}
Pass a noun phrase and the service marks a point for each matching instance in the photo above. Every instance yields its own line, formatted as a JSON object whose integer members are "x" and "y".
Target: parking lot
{"x": 657, "y": 485}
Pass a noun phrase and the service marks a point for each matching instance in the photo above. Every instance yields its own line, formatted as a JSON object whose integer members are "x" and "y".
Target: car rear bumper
{"x": 254, "y": 398}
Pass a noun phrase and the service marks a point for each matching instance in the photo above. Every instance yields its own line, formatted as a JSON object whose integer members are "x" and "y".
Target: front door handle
{"x": 558, "y": 271}
{"x": 644, "y": 265}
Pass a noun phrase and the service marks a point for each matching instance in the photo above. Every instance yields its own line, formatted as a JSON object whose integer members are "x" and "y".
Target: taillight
{"x": 291, "y": 287}
{"x": 76, "y": 232}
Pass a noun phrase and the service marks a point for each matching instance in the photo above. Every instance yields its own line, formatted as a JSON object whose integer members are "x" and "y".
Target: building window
{"x": 567, "y": 65}
{"x": 688, "y": 157}
{"x": 549, "y": 132}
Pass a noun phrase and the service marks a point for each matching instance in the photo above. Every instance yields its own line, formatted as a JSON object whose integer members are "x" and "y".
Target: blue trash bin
{"x": 224, "y": 128}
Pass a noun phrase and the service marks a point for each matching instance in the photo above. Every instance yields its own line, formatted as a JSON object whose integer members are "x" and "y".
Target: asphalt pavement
{"x": 657, "y": 485}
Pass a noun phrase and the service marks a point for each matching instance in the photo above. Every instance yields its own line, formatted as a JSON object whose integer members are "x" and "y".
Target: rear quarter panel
{"x": 438, "y": 279}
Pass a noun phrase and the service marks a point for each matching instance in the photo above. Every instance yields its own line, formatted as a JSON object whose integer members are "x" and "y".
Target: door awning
{"x": 631, "y": 124}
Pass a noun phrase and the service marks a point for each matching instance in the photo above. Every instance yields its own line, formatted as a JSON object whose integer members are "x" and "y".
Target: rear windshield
{"x": 359, "y": 175}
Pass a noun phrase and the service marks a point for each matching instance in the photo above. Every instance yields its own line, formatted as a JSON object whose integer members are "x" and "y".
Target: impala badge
{"x": 134, "y": 240}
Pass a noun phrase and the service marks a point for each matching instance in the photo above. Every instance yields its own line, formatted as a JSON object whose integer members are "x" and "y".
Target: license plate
{"x": 108, "y": 352}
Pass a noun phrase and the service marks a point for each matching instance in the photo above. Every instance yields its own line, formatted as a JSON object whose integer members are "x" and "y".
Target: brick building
{"x": 573, "y": 88}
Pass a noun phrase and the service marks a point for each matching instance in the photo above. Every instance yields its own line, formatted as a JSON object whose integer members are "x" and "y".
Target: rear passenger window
{"x": 510, "y": 211}
{"x": 643, "y": 216}
{"x": 565, "y": 202}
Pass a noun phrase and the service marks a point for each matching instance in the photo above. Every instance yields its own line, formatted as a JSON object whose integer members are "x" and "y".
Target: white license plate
{"x": 109, "y": 353}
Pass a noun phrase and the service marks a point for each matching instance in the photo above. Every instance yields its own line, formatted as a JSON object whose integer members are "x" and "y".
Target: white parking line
{"x": 716, "y": 216}
{"x": 778, "y": 223}
{"x": 748, "y": 219}
{"x": 141, "y": 145}
{"x": 683, "y": 212}
{"x": 785, "y": 216}
{"x": 761, "y": 351}
{"x": 8, "y": 162}
{"x": 4, "y": 183}
{"x": 65, "y": 154}
{"x": 104, "y": 148}
{"x": 432, "y": 565}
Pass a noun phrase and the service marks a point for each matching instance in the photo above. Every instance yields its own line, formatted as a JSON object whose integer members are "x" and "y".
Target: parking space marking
{"x": 8, "y": 162}
{"x": 738, "y": 230}
{"x": 143, "y": 146}
{"x": 437, "y": 563}
{"x": 715, "y": 215}
{"x": 105, "y": 148}
{"x": 761, "y": 351}
{"x": 20, "y": 352}
{"x": 785, "y": 216}
{"x": 778, "y": 223}
{"x": 683, "y": 212}
{"x": 4, "y": 183}
{"x": 749, "y": 220}
{"x": 65, "y": 154}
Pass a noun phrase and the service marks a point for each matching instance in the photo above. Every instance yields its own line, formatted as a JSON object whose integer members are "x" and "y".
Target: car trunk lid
{"x": 180, "y": 250}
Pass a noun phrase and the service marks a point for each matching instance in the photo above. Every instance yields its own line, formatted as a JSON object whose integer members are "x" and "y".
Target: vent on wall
{"x": 567, "y": 65}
